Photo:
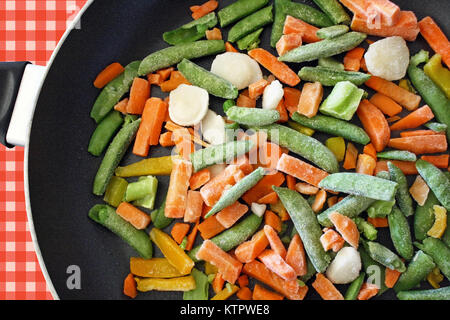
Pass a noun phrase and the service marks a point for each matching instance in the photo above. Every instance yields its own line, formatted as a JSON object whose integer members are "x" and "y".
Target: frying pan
{"x": 59, "y": 171}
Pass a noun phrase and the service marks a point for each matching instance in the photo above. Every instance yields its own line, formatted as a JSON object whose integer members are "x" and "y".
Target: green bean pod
{"x": 436, "y": 126}
{"x": 384, "y": 256}
{"x": 400, "y": 233}
{"x": 234, "y": 236}
{"x": 201, "y": 290}
{"x": 431, "y": 294}
{"x": 370, "y": 267}
{"x": 402, "y": 196}
{"x": 446, "y": 236}
{"x": 351, "y": 206}
{"x": 115, "y": 191}
{"x": 440, "y": 253}
{"x": 235, "y": 192}
{"x": 438, "y": 182}
{"x": 253, "y": 116}
{"x": 202, "y": 78}
{"x": 250, "y": 41}
{"x": 334, "y": 11}
{"x": 424, "y": 217}
{"x": 191, "y": 31}
{"x": 138, "y": 239}
{"x": 417, "y": 270}
{"x": 251, "y": 23}
{"x": 238, "y": 10}
{"x": 333, "y": 126}
{"x": 113, "y": 91}
{"x": 397, "y": 155}
{"x": 308, "y": 228}
{"x": 355, "y": 286}
{"x": 172, "y": 55}
{"x": 331, "y": 76}
{"x": 332, "y": 32}
{"x": 104, "y": 132}
{"x": 324, "y": 48}
{"x": 303, "y": 145}
{"x": 114, "y": 155}
{"x": 159, "y": 219}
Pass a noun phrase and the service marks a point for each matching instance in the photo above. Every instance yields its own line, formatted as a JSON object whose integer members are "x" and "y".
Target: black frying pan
{"x": 61, "y": 171}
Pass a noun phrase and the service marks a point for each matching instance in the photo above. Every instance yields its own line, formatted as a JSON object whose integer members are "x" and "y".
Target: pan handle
{"x": 20, "y": 84}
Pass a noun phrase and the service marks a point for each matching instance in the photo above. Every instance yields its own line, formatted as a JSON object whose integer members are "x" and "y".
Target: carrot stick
{"x": 277, "y": 265}
{"x": 350, "y": 157}
{"x": 256, "y": 89}
{"x": 263, "y": 187}
{"x": 176, "y": 78}
{"x": 244, "y": 293}
{"x": 296, "y": 256}
{"x": 352, "y": 59}
{"x": 310, "y": 99}
{"x": 301, "y": 170}
{"x": 346, "y": 227}
{"x": 367, "y": 291}
{"x": 229, "y": 47}
{"x": 152, "y": 118}
{"x": 218, "y": 282}
{"x": 191, "y": 237}
{"x": 129, "y": 286}
{"x": 139, "y": 219}
{"x": 154, "y": 78}
{"x": 326, "y": 289}
{"x": 273, "y": 220}
{"x": 290, "y": 181}
{"x": 165, "y": 139}
{"x": 183, "y": 142}
{"x": 391, "y": 277}
{"x": 393, "y": 119}
{"x": 420, "y": 144}
{"x": 194, "y": 206}
{"x": 414, "y": 119}
{"x": 199, "y": 178}
{"x": 261, "y": 293}
{"x": 291, "y": 99}
{"x": 249, "y": 250}
{"x": 378, "y": 222}
{"x": 243, "y": 280}
{"x": 108, "y": 74}
{"x": 389, "y": 12}
{"x": 297, "y": 26}
{"x": 374, "y": 124}
{"x": 269, "y": 154}
{"x": 407, "y": 167}
{"x": 179, "y": 231}
{"x": 228, "y": 216}
{"x": 165, "y": 73}
{"x": 172, "y": 127}
{"x": 121, "y": 106}
{"x": 277, "y": 68}
{"x": 274, "y": 241}
{"x": 245, "y": 102}
{"x": 178, "y": 187}
{"x": 435, "y": 38}
{"x": 288, "y": 42}
{"x": 402, "y": 96}
{"x": 210, "y": 227}
{"x": 306, "y": 188}
{"x": 330, "y": 239}
{"x": 213, "y": 34}
{"x": 271, "y": 198}
{"x": 212, "y": 191}
{"x": 440, "y": 161}
{"x": 204, "y": 9}
{"x": 282, "y": 111}
{"x": 139, "y": 93}
{"x": 319, "y": 200}
{"x": 385, "y": 104}
{"x": 369, "y": 149}
{"x": 404, "y": 134}
{"x": 366, "y": 164}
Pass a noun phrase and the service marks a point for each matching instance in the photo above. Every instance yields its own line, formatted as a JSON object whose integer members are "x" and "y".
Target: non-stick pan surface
{"x": 61, "y": 170}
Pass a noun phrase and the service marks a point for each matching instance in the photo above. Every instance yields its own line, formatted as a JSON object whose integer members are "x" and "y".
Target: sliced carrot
{"x": 139, "y": 93}
{"x": 165, "y": 73}
{"x": 154, "y": 78}
{"x": 297, "y": 26}
{"x": 301, "y": 170}
{"x": 229, "y": 267}
{"x": 326, "y": 289}
{"x": 270, "y": 198}
{"x": 352, "y": 59}
{"x": 218, "y": 283}
{"x": 364, "y": 65}
{"x": 290, "y": 181}
{"x": 194, "y": 206}
{"x": 310, "y": 99}
{"x": 244, "y": 293}
{"x": 407, "y": 167}
{"x": 263, "y": 187}
{"x": 256, "y": 89}
{"x": 129, "y": 286}
{"x": 420, "y": 144}
{"x": 121, "y": 106}
{"x": 378, "y": 222}
{"x": 436, "y": 38}
{"x": 191, "y": 237}
{"x": 165, "y": 139}
{"x": 282, "y": 111}
{"x": 179, "y": 231}
{"x": 245, "y": 102}
{"x": 229, "y": 47}
{"x": 228, "y": 216}
{"x": 331, "y": 201}
{"x": 330, "y": 239}
{"x": 366, "y": 164}
{"x": 210, "y": 227}
{"x": 414, "y": 119}
{"x": 288, "y": 42}
{"x": 274, "y": 262}
{"x": 183, "y": 142}
{"x": 374, "y": 124}
{"x": 272, "y": 220}
{"x": 385, "y": 104}
{"x": 306, "y": 188}
{"x": 419, "y": 190}
{"x": 261, "y": 293}
{"x": 213, "y": 34}
{"x": 319, "y": 200}
{"x": 249, "y": 250}
{"x": 440, "y": 161}
{"x": 391, "y": 277}
{"x": 269, "y": 154}
{"x": 351, "y": 155}
{"x": 389, "y": 12}
{"x": 176, "y": 78}
{"x": 369, "y": 150}
{"x": 108, "y": 74}
{"x": 346, "y": 227}
{"x": 419, "y": 133}
{"x": 204, "y": 9}
{"x": 275, "y": 241}
{"x": 139, "y": 219}
{"x": 291, "y": 99}
{"x": 212, "y": 190}
{"x": 356, "y": 6}
{"x": 393, "y": 119}
{"x": 367, "y": 291}
{"x": 296, "y": 256}
{"x": 243, "y": 280}
{"x": 243, "y": 164}
{"x": 199, "y": 178}
{"x": 402, "y": 96}
{"x": 178, "y": 187}
{"x": 277, "y": 68}
{"x": 171, "y": 126}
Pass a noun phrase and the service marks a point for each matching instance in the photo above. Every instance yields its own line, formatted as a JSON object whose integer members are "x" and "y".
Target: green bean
{"x": 417, "y": 270}
{"x": 446, "y": 236}
{"x": 330, "y": 62}
{"x": 332, "y": 32}
{"x": 250, "y": 41}
{"x": 234, "y": 236}
{"x": 366, "y": 228}
{"x": 191, "y": 31}
{"x": 172, "y": 55}
{"x": 381, "y": 208}
{"x": 308, "y": 228}
{"x": 250, "y": 23}
{"x": 223, "y": 153}
{"x": 324, "y": 48}
{"x": 115, "y": 191}
{"x": 334, "y": 11}
{"x": 201, "y": 287}
{"x": 383, "y": 255}
{"x": 429, "y": 91}
{"x": 212, "y": 83}
{"x": 138, "y": 239}
{"x": 238, "y": 10}
{"x": 113, "y": 155}
{"x": 424, "y": 217}
{"x": 334, "y": 127}
{"x": 370, "y": 266}
{"x": 307, "y": 147}
{"x": 438, "y": 182}
{"x": 439, "y": 251}
{"x": 330, "y": 76}
{"x": 360, "y": 185}
{"x": 253, "y": 116}
{"x": 150, "y": 185}
{"x": 159, "y": 219}
{"x": 400, "y": 233}
{"x": 350, "y": 206}
{"x": 397, "y": 155}
{"x": 436, "y": 126}
{"x": 113, "y": 91}
{"x": 431, "y": 294}
{"x": 355, "y": 286}
{"x": 104, "y": 132}
{"x": 402, "y": 196}
{"x": 235, "y": 192}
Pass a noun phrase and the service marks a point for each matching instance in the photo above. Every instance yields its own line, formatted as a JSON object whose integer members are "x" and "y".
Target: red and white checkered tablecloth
{"x": 29, "y": 31}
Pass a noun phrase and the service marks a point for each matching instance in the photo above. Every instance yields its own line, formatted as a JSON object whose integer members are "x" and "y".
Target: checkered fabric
{"x": 29, "y": 31}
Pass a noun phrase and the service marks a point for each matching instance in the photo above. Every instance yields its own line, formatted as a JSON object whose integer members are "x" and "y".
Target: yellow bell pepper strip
{"x": 153, "y": 268}
{"x": 115, "y": 191}
{"x": 337, "y": 146}
{"x": 300, "y": 128}
{"x": 186, "y": 283}
{"x": 226, "y": 292}
{"x": 440, "y": 222}
{"x": 210, "y": 269}
{"x": 153, "y": 166}
{"x": 435, "y": 277}
{"x": 174, "y": 254}
{"x": 438, "y": 73}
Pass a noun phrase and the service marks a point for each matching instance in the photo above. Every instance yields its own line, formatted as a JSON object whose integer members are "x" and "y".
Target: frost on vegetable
{"x": 188, "y": 105}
